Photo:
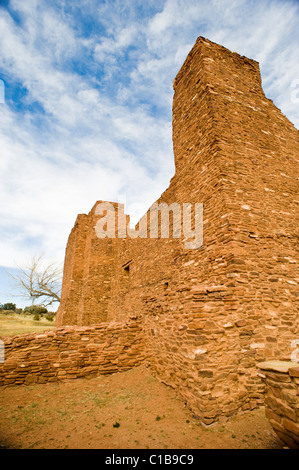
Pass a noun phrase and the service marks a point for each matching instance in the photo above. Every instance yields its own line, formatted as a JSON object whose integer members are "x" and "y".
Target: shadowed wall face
{"x": 208, "y": 314}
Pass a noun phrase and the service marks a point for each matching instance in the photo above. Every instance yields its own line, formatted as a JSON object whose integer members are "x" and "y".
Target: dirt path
{"x": 130, "y": 410}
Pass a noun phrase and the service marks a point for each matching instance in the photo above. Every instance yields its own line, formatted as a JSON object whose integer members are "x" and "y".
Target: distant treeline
{"x": 37, "y": 311}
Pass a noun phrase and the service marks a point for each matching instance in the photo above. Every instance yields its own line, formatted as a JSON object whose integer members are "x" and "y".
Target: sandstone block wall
{"x": 282, "y": 399}
{"x": 210, "y": 314}
{"x": 89, "y": 270}
{"x": 71, "y": 352}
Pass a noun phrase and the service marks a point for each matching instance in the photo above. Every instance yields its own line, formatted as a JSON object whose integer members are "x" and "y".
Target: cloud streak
{"x": 89, "y": 96}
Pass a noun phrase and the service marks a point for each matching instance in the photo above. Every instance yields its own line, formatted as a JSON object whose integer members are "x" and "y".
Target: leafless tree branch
{"x": 38, "y": 281}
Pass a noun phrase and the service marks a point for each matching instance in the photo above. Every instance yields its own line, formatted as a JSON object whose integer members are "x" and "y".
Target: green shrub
{"x": 36, "y": 317}
{"x": 35, "y": 309}
{"x": 50, "y": 316}
{"x": 8, "y": 306}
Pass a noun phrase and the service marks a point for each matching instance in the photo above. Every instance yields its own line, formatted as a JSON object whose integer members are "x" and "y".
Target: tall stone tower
{"x": 208, "y": 314}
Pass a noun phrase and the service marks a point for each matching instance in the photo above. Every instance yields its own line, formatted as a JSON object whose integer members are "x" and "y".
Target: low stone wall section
{"x": 71, "y": 352}
{"x": 282, "y": 399}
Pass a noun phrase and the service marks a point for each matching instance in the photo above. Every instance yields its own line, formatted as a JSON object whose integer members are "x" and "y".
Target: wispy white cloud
{"x": 92, "y": 119}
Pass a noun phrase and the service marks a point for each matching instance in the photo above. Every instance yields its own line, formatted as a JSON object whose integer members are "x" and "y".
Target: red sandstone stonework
{"x": 282, "y": 399}
{"x": 207, "y": 315}
{"x": 72, "y": 352}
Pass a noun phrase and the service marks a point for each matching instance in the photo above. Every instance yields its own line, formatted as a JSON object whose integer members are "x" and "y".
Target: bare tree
{"x": 39, "y": 281}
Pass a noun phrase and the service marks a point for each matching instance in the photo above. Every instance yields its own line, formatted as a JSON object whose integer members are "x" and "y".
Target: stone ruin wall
{"x": 71, "y": 352}
{"x": 89, "y": 271}
{"x": 281, "y": 380}
{"x": 208, "y": 315}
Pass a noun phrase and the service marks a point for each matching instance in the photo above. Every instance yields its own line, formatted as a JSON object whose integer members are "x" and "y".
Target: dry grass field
{"x": 16, "y": 324}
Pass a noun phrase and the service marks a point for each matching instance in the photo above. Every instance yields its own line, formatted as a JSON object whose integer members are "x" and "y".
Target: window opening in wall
{"x": 126, "y": 267}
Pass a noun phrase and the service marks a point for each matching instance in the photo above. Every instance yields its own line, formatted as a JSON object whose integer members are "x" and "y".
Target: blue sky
{"x": 88, "y": 97}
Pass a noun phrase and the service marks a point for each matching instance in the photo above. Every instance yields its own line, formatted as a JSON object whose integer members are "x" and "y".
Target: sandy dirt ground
{"x": 129, "y": 410}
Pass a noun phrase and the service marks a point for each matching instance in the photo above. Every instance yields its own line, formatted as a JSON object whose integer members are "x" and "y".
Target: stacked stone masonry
{"x": 208, "y": 315}
{"x": 282, "y": 399}
{"x": 71, "y": 352}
